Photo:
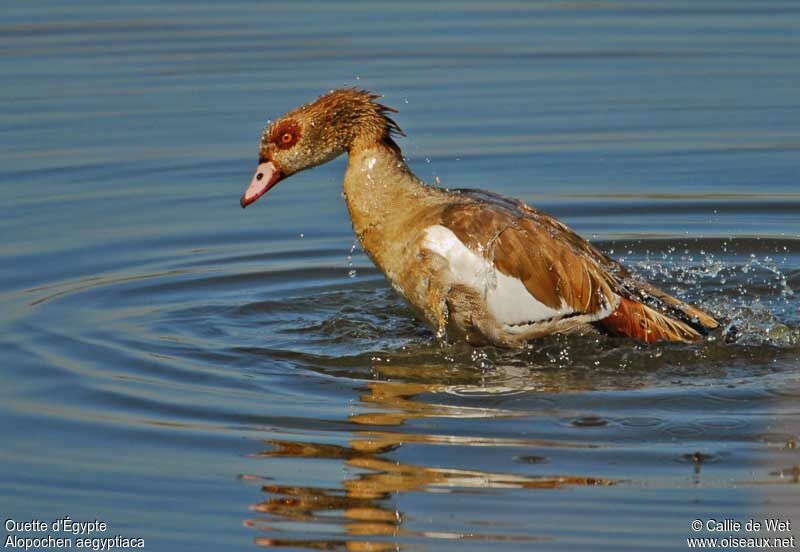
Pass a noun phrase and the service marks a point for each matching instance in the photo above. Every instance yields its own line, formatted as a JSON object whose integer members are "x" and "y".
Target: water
{"x": 208, "y": 378}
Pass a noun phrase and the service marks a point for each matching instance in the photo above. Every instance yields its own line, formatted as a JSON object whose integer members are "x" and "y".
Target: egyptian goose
{"x": 475, "y": 265}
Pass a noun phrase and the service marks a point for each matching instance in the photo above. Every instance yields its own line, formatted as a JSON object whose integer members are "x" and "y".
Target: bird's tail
{"x": 639, "y": 321}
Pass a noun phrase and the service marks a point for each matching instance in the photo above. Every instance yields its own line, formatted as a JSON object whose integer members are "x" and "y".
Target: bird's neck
{"x": 382, "y": 195}
{"x": 379, "y": 187}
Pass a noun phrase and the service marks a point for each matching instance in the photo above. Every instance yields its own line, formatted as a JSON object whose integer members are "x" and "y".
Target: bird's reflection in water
{"x": 360, "y": 514}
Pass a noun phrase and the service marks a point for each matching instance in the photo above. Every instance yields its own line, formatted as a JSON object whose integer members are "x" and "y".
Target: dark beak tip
{"x": 242, "y": 202}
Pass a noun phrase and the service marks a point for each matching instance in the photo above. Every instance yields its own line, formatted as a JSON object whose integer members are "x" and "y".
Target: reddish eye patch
{"x": 285, "y": 134}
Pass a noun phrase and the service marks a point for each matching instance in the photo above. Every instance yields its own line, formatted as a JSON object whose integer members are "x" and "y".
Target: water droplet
{"x": 351, "y": 271}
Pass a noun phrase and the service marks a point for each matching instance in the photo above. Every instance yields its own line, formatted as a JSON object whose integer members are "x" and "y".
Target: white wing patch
{"x": 507, "y": 298}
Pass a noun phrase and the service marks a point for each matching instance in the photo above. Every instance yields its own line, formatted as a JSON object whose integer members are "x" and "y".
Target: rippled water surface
{"x": 209, "y": 378}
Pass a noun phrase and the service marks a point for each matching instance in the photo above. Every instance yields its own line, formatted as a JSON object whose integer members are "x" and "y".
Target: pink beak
{"x": 267, "y": 175}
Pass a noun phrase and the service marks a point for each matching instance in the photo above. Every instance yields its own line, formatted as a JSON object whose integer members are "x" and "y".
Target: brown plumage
{"x": 639, "y": 321}
{"x": 475, "y": 265}
{"x": 554, "y": 272}
{"x": 337, "y": 119}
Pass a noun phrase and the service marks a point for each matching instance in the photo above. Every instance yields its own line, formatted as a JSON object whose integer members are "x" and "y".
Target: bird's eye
{"x": 285, "y": 135}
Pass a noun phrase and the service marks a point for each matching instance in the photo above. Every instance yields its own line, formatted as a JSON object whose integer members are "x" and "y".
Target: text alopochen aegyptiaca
{"x": 474, "y": 265}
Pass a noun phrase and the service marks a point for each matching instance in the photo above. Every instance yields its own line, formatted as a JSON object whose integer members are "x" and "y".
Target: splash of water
{"x": 752, "y": 296}
{"x": 351, "y": 271}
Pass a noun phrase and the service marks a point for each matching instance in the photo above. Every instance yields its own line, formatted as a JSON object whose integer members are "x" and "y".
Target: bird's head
{"x": 317, "y": 133}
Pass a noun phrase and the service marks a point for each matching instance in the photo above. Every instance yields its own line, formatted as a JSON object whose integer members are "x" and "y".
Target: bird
{"x": 474, "y": 265}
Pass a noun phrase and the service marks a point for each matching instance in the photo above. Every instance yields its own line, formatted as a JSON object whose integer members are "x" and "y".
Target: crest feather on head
{"x": 348, "y": 112}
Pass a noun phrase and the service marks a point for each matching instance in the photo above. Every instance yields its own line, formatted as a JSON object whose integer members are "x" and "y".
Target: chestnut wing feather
{"x": 554, "y": 263}
{"x": 525, "y": 245}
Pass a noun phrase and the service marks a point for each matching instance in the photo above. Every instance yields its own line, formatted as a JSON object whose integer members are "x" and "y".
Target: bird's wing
{"x": 528, "y": 268}
{"x": 547, "y": 271}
